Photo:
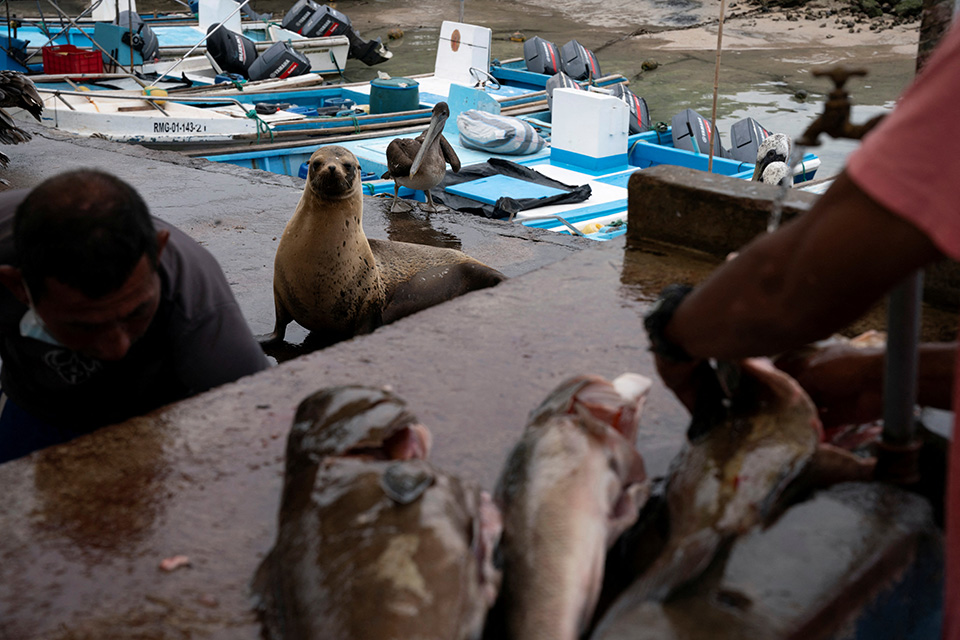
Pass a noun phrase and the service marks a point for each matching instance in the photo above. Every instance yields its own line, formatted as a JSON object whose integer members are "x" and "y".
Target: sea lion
{"x": 335, "y": 282}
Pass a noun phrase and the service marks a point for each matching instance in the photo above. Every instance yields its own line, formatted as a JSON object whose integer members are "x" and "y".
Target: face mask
{"x": 31, "y": 326}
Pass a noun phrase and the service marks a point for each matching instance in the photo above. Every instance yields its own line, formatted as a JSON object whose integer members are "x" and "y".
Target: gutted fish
{"x": 733, "y": 477}
{"x": 374, "y": 542}
{"x": 572, "y": 484}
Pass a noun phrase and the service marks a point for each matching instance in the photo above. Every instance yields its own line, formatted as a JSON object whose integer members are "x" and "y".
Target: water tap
{"x": 835, "y": 119}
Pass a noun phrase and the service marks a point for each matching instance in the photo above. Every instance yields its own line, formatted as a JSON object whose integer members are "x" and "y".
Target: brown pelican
{"x": 776, "y": 173}
{"x": 421, "y": 162}
{"x": 16, "y": 90}
{"x": 774, "y": 148}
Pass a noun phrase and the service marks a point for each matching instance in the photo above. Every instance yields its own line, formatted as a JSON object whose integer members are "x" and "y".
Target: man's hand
{"x": 844, "y": 381}
{"x": 681, "y": 378}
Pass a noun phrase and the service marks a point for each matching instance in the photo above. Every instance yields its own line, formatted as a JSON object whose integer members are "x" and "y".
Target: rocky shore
{"x": 777, "y": 24}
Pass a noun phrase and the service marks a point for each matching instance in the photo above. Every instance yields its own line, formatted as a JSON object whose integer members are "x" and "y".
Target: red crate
{"x": 66, "y": 58}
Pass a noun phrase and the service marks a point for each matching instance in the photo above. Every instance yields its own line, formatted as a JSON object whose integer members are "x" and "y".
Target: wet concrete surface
{"x": 88, "y": 523}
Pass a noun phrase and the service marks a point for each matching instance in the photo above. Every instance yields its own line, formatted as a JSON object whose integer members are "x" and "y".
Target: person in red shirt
{"x": 891, "y": 211}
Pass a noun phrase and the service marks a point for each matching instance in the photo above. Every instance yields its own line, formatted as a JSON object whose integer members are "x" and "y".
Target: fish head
{"x": 374, "y": 541}
{"x": 358, "y": 422}
{"x": 333, "y": 174}
{"x": 604, "y": 407}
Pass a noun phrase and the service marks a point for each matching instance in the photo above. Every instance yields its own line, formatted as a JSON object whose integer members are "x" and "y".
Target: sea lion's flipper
{"x": 436, "y": 284}
{"x": 283, "y": 318}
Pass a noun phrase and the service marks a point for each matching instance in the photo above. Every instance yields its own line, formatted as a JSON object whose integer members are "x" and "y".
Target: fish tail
{"x": 677, "y": 566}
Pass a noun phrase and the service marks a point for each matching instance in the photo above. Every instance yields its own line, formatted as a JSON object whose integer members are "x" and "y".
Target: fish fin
{"x": 677, "y": 565}
{"x": 828, "y": 466}
{"x": 831, "y": 464}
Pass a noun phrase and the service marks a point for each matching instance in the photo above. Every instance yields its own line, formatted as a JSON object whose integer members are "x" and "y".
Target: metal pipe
{"x": 900, "y": 373}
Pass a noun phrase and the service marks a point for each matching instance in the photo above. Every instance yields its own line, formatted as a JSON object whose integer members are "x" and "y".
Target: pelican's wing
{"x": 449, "y": 154}
{"x": 400, "y": 155}
{"x": 17, "y": 90}
{"x": 10, "y": 133}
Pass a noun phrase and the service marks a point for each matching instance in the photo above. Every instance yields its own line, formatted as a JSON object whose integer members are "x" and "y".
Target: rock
{"x": 908, "y": 8}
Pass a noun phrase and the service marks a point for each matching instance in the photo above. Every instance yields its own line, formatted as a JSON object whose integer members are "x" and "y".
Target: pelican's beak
{"x": 433, "y": 132}
{"x": 762, "y": 163}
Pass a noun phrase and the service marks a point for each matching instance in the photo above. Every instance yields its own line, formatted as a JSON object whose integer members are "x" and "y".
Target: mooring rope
{"x": 261, "y": 124}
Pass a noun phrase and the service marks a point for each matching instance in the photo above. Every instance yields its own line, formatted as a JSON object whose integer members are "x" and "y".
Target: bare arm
{"x": 803, "y": 282}
{"x": 847, "y": 382}
{"x": 797, "y": 285}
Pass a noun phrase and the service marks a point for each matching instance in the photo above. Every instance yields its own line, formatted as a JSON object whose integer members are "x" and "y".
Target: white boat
{"x": 130, "y": 116}
{"x": 142, "y": 118}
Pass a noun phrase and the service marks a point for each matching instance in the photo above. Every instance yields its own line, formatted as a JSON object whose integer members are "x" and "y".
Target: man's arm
{"x": 847, "y": 382}
{"x": 220, "y": 349}
{"x": 799, "y": 284}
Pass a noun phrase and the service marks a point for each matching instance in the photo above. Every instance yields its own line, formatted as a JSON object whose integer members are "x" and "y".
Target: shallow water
{"x": 756, "y": 83}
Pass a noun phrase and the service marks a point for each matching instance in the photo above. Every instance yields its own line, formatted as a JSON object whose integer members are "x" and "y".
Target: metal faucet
{"x": 835, "y": 119}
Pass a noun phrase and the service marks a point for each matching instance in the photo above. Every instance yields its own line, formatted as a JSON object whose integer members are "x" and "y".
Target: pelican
{"x": 16, "y": 90}
{"x": 776, "y": 173}
{"x": 421, "y": 162}
{"x": 774, "y": 148}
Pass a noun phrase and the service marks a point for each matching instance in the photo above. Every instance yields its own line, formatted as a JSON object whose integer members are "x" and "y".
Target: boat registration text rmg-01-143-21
{"x": 178, "y": 127}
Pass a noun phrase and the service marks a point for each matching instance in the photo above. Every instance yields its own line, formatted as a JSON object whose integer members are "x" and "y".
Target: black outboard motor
{"x": 311, "y": 20}
{"x": 297, "y": 16}
{"x": 639, "y": 112}
{"x": 745, "y": 139}
{"x": 326, "y": 21}
{"x": 233, "y": 52}
{"x": 279, "y": 61}
{"x": 541, "y": 56}
{"x": 579, "y": 62}
{"x": 692, "y": 132}
{"x": 559, "y": 80}
{"x": 139, "y": 35}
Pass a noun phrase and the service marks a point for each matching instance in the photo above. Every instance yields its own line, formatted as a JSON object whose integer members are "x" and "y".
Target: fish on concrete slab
{"x": 572, "y": 484}
{"x": 374, "y": 542}
{"x": 734, "y": 476}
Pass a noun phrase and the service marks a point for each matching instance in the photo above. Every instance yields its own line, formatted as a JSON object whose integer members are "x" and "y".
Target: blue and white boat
{"x": 275, "y": 117}
{"x": 589, "y": 145}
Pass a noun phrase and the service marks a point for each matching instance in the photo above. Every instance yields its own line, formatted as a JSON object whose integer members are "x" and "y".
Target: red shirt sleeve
{"x": 910, "y": 162}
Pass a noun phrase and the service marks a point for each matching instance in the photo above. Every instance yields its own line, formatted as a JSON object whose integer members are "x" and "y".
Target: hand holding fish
{"x": 844, "y": 381}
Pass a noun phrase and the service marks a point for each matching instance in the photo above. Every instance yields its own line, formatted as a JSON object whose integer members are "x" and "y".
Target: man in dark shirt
{"x": 107, "y": 312}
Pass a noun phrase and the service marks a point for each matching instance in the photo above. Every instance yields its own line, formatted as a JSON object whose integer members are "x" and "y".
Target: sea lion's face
{"x": 334, "y": 173}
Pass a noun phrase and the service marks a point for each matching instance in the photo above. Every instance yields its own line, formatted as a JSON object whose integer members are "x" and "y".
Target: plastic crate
{"x": 67, "y": 58}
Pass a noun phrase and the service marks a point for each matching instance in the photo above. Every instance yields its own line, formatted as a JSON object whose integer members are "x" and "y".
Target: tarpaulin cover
{"x": 505, "y": 207}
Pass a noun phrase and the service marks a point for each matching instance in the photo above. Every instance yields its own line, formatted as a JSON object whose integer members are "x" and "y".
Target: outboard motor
{"x": 279, "y": 61}
{"x": 579, "y": 62}
{"x": 233, "y": 52}
{"x": 139, "y": 35}
{"x": 559, "y": 80}
{"x": 311, "y": 20}
{"x": 692, "y": 132}
{"x": 297, "y": 16}
{"x": 541, "y": 56}
{"x": 325, "y": 21}
{"x": 639, "y": 112}
{"x": 745, "y": 139}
